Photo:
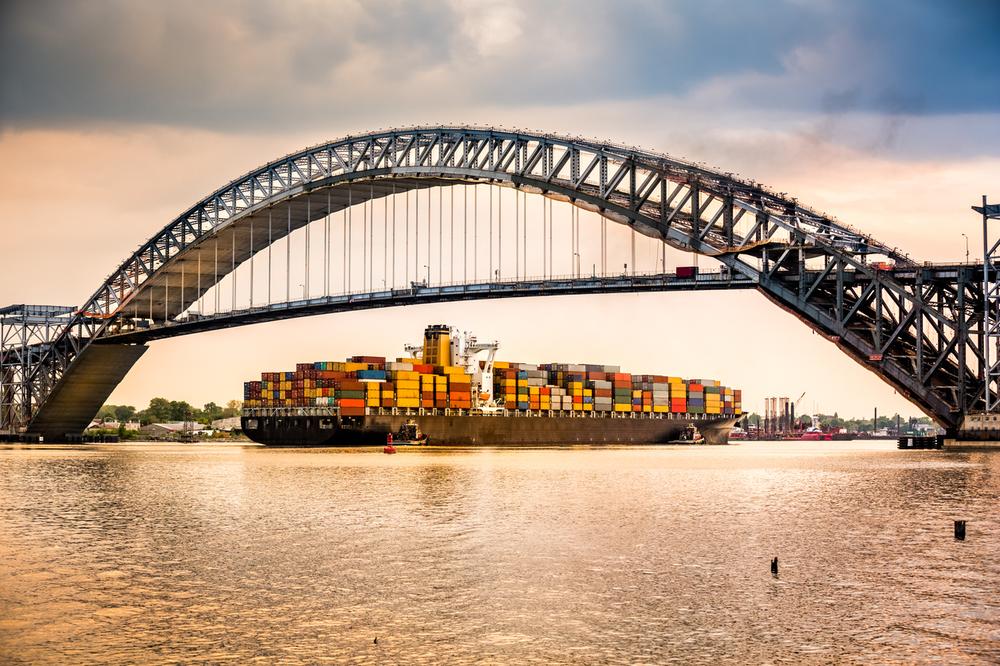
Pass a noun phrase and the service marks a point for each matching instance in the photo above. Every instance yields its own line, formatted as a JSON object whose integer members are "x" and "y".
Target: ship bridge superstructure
{"x": 435, "y": 214}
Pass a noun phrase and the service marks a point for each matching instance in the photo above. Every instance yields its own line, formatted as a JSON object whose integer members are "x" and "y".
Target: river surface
{"x": 234, "y": 554}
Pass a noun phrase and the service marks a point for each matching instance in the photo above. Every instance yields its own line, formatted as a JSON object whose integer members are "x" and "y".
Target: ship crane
{"x": 812, "y": 419}
{"x": 464, "y": 349}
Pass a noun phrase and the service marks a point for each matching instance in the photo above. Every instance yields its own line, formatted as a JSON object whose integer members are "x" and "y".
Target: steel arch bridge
{"x": 918, "y": 326}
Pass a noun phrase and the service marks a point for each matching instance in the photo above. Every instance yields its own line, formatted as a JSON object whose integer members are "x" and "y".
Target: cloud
{"x": 275, "y": 66}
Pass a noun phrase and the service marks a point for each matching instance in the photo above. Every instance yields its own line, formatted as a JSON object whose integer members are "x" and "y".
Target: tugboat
{"x": 409, "y": 433}
{"x": 689, "y": 435}
{"x": 814, "y": 434}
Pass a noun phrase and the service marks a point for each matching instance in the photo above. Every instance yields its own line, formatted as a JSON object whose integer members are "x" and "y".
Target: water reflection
{"x": 153, "y": 554}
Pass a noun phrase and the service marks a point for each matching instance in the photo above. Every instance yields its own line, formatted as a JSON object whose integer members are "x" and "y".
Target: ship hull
{"x": 479, "y": 430}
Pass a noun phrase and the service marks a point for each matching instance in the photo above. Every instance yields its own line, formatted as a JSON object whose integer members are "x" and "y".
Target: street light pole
{"x": 966, "y": 248}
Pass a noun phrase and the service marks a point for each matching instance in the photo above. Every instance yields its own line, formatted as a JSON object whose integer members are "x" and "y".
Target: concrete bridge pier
{"x": 83, "y": 389}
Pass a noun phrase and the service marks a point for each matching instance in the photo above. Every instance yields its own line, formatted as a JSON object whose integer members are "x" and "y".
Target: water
{"x": 228, "y": 554}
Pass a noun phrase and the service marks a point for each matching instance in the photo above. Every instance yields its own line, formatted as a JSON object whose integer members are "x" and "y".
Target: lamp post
{"x": 966, "y": 248}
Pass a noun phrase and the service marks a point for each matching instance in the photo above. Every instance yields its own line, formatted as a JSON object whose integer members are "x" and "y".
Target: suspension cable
{"x": 349, "y": 248}
{"x": 270, "y": 247}
{"x": 385, "y": 241}
{"x": 517, "y": 230}
{"x": 440, "y": 235}
{"x": 326, "y": 247}
{"x": 406, "y": 248}
{"x": 251, "y": 266}
{"x": 364, "y": 244}
{"x": 451, "y": 235}
{"x": 545, "y": 247}
{"x": 475, "y": 232}
{"x": 305, "y": 287}
{"x": 429, "y": 234}
{"x": 393, "y": 234}
{"x": 416, "y": 238}
{"x": 499, "y": 233}
{"x": 489, "y": 278}
{"x": 465, "y": 233}
{"x": 550, "y": 238}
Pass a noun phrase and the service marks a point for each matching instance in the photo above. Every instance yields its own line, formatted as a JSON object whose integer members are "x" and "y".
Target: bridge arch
{"x": 908, "y": 323}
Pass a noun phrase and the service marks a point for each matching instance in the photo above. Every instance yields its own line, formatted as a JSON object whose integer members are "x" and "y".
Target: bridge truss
{"x": 327, "y": 211}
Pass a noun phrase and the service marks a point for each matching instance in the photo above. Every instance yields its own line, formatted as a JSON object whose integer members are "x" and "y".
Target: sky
{"x": 117, "y": 116}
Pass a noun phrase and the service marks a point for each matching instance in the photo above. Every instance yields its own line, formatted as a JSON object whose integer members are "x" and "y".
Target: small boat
{"x": 689, "y": 435}
{"x": 388, "y": 448}
{"x": 409, "y": 433}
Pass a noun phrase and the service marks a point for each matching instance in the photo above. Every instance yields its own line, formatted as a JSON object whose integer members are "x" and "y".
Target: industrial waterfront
{"x": 229, "y": 554}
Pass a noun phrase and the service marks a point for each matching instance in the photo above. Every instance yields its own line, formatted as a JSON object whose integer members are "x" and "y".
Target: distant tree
{"x": 106, "y": 412}
{"x": 210, "y": 412}
{"x": 232, "y": 409}
{"x": 157, "y": 412}
{"x": 181, "y": 410}
{"x": 124, "y": 413}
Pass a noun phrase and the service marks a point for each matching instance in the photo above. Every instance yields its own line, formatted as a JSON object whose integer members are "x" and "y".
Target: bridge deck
{"x": 435, "y": 294}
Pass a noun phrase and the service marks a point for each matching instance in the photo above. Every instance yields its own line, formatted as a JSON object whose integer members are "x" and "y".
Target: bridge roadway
{"x": 420, "y": 293}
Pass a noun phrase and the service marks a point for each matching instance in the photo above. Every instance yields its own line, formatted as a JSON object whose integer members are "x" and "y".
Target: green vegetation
{"x": 161, "y": 410}
{"x": 834, "y": 421}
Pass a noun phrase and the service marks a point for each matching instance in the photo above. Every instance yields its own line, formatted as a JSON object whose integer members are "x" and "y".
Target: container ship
{"x": 450, "y": 390}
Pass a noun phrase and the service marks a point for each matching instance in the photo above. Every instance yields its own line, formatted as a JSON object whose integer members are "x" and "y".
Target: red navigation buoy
{"x": 388, "y": 438}
{"x": 389, "y": 448}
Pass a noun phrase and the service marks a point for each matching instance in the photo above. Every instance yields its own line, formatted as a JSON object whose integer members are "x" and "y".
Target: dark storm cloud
{"x": 279, "y": 65}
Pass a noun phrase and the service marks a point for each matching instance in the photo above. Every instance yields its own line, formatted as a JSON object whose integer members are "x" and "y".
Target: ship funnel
{"x": 437, "y": 345}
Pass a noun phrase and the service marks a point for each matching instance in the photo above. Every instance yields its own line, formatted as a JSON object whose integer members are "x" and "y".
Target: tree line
{"x": 161, "y": 410}
{"x": 834, "y": 421}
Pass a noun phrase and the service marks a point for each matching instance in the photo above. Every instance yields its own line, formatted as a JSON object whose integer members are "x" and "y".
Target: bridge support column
{"x": 83, "y": 389}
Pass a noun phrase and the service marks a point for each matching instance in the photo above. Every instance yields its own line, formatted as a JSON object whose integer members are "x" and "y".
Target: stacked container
{"x": 369, "y": 382}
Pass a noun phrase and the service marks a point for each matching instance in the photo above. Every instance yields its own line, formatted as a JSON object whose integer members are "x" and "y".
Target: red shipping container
{"x": 368, "y": 359}
{"x": 687, "y": 271}
{"x": 351, "y": 385}
{"x": 352, "y": 411}
{"x": 352, "y": 402}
